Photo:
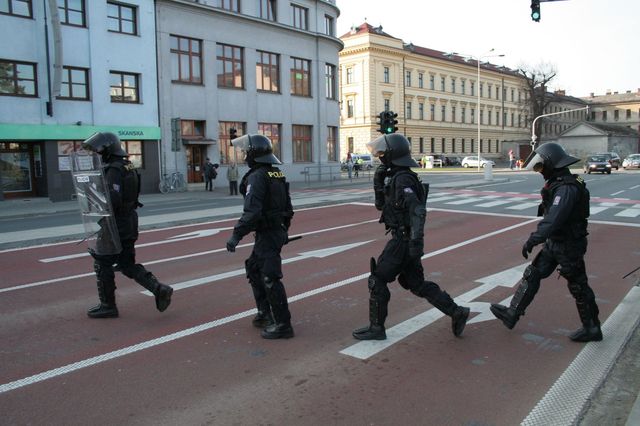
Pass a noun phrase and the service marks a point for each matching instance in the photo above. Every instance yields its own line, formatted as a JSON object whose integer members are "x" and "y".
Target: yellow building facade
{"x": 434, "y": 94}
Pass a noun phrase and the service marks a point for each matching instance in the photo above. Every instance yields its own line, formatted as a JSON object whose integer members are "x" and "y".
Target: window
{"x": 463, "y": 83}
{"x": 300, "y": 77}
{"x": 17, "y": 8}
{"x": 300, "y": 16}
{"x": 332, "y": 143}
{"x": 473, "y": 116}
{"x": 432, "y": 112}
{"x": 74, "y": 83}
{"x": 421, "y": 144}
{"x": 512, "y": 95}
{"x": 604, "y": 115}
{"x": 328, "y": 25}
{"x": 421, "y": 80}
{"x": 481, "y": 116}
{"x": 443, "y": 145}
{"x": 268, "y": 72}
{"x": 301, "y": 143}
{"x": 227, "y": 152}
{"x": 230, "y": 66}
{"x": 71, "y": 12}
{"x": 409, "y": 110}
{"x": 489, "y": 117}
{"x": 386, "y": 74}
{"x": 442, "y": 82}
{"x": 463, "y": 115}
{"x": 272, "y": 131}
{"x": 512, "y": 119}
{"x": 125, "y": 87}
{"x": 421, "y": 110}
{"x": 628, "y": 114}
{"x": 408, "y": 78}
{"x": 186, "y": 59}
{"x": 616, "y": 114}
{"x": 134, "y": 149}
{"x": 488, "y": 90}
{"x": 443, "y": 113}
{"x": 192, "y": 129}
{"x": 349, "y": 108}
{"x": 432, "y": 82}
{"x": 232, "y": 5}
{"x": 453, "y": 85}
{"x": 433, "y": 145}
{"x": 121, "y": 18}
{"x": 481, "y": 90}
{"x": 387, "y": 104}
{"x": 593, "y": 116}
{"x": 268, "y": 9}
{"x": 463, "y": 147}
{"x": 350, "y": 144}
{"x": 349, "y": 75}
{"x": 453, "y": 145}
{"x": 18, "y": 78}
{"x": 330, "y": 81}
{"x": 473, "y": 88}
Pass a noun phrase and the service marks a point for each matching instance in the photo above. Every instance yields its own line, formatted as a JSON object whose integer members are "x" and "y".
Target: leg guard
{"x": 445, "y": 304}
{"x": 379, "y": 297}
{"x": 585, "y": 302}
{"x": 277, "y": 298}
{"x": 264, "y": 316}
{"x": 106, "y": 293}
{"x": 523, "y": 297}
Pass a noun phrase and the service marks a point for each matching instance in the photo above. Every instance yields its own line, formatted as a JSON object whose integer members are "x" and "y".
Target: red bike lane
{"x": 202, "y": 361}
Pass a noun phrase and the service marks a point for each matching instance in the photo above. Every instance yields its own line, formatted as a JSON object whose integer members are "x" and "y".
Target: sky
{"x": 593, "y": 44}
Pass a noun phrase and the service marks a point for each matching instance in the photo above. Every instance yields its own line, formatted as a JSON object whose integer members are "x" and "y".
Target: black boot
{"x": 589, "y": 332}
{"x": 459, "y": 320}
{"x": 278, "y": 331}
{"x": 163, "y": 296}
{"x": 107, "y": 306}
{"x": 370, "y": 332}
{"x": 508, "y": 316}
{"x": 161, "y": 291}
{"x": 263, "y": 318}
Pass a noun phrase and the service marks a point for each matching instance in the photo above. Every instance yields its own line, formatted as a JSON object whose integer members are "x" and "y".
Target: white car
{"x": 472, "y": 161}
{"x": 631, "y": 162}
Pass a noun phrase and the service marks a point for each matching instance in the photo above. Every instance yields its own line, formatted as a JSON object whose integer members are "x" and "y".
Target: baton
{"x": 631, "y": 272}
{"x": 293, "y": 239}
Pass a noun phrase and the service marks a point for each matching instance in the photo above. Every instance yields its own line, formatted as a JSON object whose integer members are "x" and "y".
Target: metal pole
{"x": 533, "y": 124}
{"x": 478, "y": 114}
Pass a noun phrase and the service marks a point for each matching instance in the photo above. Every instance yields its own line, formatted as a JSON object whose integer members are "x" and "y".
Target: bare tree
{"x": 536, "y": 80}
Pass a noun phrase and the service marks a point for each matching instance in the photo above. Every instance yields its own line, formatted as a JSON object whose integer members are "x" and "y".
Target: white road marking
{"x": 634, "y": 211}
{"x": 523, "y": 206}
{"x": 619, "y": 192}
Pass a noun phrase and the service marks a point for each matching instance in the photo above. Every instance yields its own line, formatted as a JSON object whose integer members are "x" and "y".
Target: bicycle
{"x": 173, "y": 182}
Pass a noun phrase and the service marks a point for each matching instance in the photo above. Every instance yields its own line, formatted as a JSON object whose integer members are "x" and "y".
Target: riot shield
{"x": 101, "y": 231}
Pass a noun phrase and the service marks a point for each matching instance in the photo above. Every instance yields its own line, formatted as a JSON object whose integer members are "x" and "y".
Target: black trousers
{"x": 233, "y": 187}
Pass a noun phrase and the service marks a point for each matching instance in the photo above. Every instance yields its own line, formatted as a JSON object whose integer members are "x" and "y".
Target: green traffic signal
{"x": 535, "y": 10}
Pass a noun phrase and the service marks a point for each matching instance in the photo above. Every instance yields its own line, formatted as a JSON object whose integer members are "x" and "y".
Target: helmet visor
{"x": 377, "y": 147}
{"x": 534, "y": 162}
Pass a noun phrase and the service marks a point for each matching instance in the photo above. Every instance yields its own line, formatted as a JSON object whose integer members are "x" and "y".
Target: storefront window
{"x": 15, "y": 168}
{"x": 65, "y": 148}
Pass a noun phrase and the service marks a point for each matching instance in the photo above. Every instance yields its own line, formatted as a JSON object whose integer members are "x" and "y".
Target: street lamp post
{"x": 478, "y": 59}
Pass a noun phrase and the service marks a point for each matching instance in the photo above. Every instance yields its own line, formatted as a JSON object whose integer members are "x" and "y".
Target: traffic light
{"x": 535, "y": 10}
{"x": 390, "y": 122}
{"x": 233, "y": 133}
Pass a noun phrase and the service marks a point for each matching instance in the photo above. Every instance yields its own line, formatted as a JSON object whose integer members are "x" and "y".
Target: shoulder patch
{"x": 116, "y": 187}
{"x": 556, "y": 200}
{"x": 408, "y": 190}
{"x": 248, "y": 188}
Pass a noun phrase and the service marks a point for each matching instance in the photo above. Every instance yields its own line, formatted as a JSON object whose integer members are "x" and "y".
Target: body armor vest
{"x": 395, "y": 214}
{"x": 577, "y": 221}
{"x": 130, "y": 186}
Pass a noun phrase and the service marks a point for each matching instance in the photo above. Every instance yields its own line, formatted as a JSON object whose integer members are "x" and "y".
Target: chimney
{"x": 560, "y": 92}
{"x": 608, "y": 92}
{"x": 615, "y": 93}
{"x": 628, "y": 91}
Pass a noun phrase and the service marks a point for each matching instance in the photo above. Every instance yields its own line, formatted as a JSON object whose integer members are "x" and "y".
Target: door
{"x": 195, "y": 161}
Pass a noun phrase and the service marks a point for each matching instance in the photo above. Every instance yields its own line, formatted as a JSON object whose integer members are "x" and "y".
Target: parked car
{"x": 473, "y": 162}
{"x": 612, "y": 158}
{"x": 367, "y": 161}
{"x": 631, "y": 162}
{"x": 454, "y": 161}
{"x": 597, "y": 163}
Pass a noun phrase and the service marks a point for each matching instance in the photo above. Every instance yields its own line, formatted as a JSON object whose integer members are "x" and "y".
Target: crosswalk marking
{"x": 523, "y": 206}
{"x": 632, "y": 212}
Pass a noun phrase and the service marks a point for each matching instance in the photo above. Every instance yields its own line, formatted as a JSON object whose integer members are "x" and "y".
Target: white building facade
{"x": 67, "y": 70}
{"x": 261, "y": 67}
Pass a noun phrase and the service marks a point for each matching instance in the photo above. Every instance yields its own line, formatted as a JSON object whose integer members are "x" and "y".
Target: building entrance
{"x": 195, "y": 160}
{"x": 17, "y": 171}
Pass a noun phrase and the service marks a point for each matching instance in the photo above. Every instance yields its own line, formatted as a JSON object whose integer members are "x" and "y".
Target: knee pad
{"x": 378, "y": 289}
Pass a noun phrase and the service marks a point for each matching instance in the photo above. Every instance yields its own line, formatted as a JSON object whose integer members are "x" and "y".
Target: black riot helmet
{"x": 257, "y": 148}
{"x": 392, "y": 149}
{"x": 106, "y": 144}
{"x": 548, "y": 157}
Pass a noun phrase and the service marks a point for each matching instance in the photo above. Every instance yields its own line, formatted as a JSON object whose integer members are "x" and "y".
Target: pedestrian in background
{"x": 210, "y": 173}
{"x": 232, "y": 177}
{"x": 349, "y": 165}
{"x": 563, "y": 231}
{"x": 123, "y": 184}
{"x": 512, "y": 160}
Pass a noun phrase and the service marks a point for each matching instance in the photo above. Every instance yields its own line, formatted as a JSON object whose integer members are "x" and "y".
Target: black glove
{"x": 232, "y": 243}
{"x": 378, "y": 177}
{"x": 526, "y": 249}
{"x": 415, "y": 248}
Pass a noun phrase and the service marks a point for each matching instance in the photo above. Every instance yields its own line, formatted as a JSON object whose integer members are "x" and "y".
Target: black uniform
{"x": 403, "y": 213}
{"x": 268, "y": 212}
{"x": 563, "y": 230}
{"x": 123, "y": 182}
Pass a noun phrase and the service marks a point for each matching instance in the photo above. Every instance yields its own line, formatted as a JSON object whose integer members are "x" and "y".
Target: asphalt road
{"x": 201, "y": 362}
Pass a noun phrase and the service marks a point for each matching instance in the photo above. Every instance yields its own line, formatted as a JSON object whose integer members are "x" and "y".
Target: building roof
{"x": 608, "y": 129}
{"x": 365, "y": 28}
{"x": 614, "y": 97}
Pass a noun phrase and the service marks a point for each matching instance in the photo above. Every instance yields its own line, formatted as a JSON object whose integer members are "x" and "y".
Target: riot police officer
{"x": 563, "y": 231}
{"x": 268, "y": 212}
{"x": 401, "y": 197}
{"x": 123, "y": 183}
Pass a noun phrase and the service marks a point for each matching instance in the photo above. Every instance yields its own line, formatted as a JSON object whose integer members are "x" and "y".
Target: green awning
{"x": 18, "y": 132}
